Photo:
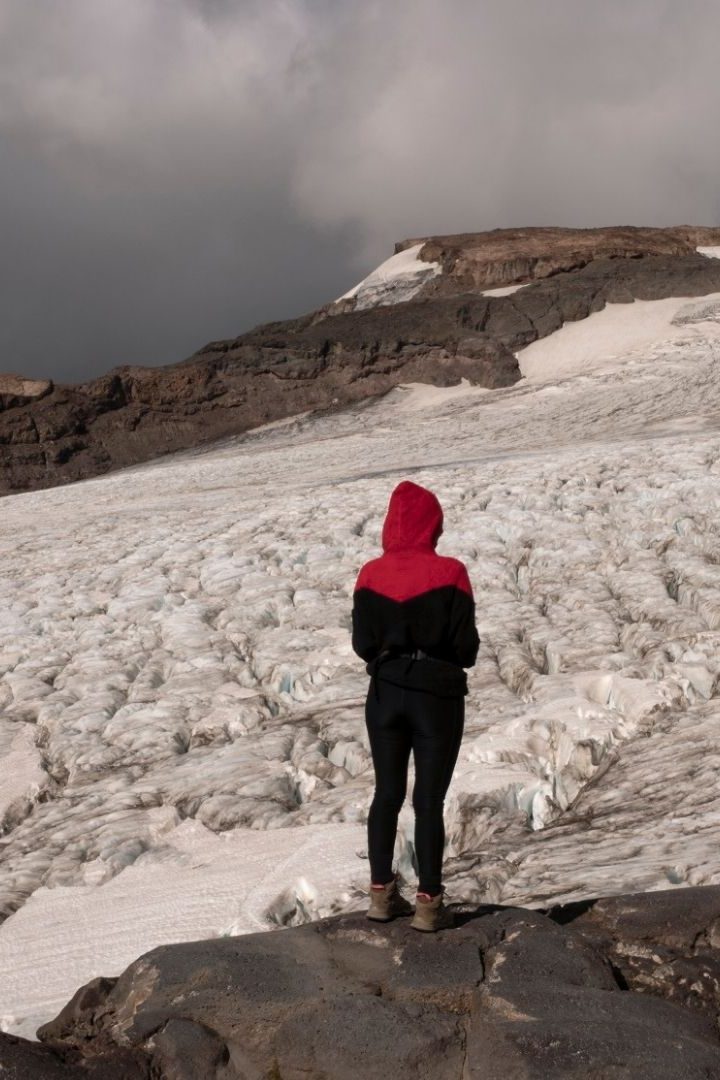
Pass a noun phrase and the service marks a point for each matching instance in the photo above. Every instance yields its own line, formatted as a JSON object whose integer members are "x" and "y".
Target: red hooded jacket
{"x": 411, "y": 598}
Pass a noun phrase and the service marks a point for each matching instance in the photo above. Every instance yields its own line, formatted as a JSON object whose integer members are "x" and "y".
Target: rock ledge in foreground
{"x": 626, "y": 987}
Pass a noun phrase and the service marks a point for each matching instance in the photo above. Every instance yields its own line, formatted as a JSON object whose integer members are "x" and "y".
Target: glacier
{"x": 182, "y": 743}
{"x": 396, "y": 280}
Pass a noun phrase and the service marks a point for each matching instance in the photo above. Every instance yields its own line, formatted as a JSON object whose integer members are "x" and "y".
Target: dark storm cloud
{"x": 177, "y": 170}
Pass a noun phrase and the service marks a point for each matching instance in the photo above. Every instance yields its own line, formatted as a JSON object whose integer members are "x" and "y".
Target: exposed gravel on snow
{"x": 182, "y": 745}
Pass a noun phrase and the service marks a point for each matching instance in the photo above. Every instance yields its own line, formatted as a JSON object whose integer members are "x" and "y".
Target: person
{"x": 413, "y": 622}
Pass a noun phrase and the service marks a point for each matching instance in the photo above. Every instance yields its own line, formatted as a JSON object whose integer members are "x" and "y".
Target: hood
{"x": 414, "y": 518}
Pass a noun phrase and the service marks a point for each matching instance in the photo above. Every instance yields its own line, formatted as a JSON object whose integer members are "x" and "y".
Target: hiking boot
{"x": 386, "y": 901}
{"x": 431, "y": 913}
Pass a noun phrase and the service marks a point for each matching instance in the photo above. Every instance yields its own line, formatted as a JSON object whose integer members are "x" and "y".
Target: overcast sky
{"x": 173, "y": 171}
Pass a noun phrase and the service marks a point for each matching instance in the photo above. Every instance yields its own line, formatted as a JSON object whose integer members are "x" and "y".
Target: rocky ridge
{"x": 449, "y": 330}
{"x": 624, "y": 987}
{"x": 519, "y": 256}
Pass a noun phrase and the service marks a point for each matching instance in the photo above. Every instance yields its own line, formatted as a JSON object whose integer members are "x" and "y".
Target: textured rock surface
{"x": 23, "y": 1060}
{"x": 506, "y": 993}
{"x": 51, "y": 434}
{"x": 510, "y": 256}
{"x": 15, "y": 390}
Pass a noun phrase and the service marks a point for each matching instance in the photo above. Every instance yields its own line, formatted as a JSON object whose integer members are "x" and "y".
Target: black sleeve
{"x": 464, "y": 637}
{"x": 364, "y": 642}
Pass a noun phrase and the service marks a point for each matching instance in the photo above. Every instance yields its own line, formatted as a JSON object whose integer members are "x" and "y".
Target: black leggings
{"x": 398, "y": 721}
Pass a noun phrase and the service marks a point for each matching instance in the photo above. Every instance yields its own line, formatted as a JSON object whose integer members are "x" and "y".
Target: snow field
{"x": 182, "y": 742}
{"x": 619, "y": 331}
{"x": 505, "y": 290}
{"x": 194, "y": 883}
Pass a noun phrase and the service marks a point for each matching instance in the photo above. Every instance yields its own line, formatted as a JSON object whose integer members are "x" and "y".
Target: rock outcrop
{"x": 52, "y": 434}
{"x": 625, "y": 987}
{"x": 16, "y": 390}
{"x": 514, "y": 256}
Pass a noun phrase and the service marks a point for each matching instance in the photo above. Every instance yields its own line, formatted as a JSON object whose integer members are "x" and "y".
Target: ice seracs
{"x": 181, "y": 714}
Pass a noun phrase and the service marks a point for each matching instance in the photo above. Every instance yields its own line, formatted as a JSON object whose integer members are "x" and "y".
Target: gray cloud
{"x": 177, "y": 170}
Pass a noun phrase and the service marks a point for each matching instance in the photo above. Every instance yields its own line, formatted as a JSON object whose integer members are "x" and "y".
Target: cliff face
{"x": 624, "y": 987}
{"x": 512, "y": 256}
{"x": 352, "y": 349}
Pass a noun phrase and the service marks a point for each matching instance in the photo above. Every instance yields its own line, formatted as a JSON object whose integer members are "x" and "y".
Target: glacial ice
{"x": 397, "y": 279}
{"x": 182, "y": 744}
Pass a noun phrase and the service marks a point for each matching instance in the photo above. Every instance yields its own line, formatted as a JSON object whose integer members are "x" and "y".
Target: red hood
{"x": 414, "y": 518}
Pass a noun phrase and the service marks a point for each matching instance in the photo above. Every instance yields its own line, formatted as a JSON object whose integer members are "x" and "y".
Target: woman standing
{"x": 414, "y": 624}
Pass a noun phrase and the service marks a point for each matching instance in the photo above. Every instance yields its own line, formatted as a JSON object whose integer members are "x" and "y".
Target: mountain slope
{"x": 444, "y": 330}
{"x": 181, "y": 715}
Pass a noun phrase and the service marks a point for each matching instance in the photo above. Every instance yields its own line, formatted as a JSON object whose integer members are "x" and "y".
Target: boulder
{"x": 505, "y": 993}
{"x": 17, "y": 390}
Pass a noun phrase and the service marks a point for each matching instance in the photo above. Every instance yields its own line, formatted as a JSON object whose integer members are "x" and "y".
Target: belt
{"x": 389, "y": 654}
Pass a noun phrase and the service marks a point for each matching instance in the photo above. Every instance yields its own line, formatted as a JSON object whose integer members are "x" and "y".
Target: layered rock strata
{"x": 516, "y": 256}
{"x": 625, "y": 987}
{"x": 52, "y": 434}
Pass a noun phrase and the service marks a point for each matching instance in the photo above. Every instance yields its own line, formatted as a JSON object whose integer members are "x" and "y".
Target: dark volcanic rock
{"x": 184, "y": 1050}
{"x": 506, "y": 993}
{"x": 21, "y": 1059}
{"x": 334, "y": 357}
{"x": 665, "y": 943}
{"x": 550, "y": 1007}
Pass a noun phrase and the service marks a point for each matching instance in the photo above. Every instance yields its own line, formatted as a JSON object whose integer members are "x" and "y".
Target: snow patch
{"x": 194, "y": 884}
{"x": 709, "y": 252}
{"x": 705, "y": 310}
{"x": 505, "y": 290}
{"x": 604, "y": 339}
{"x": 412, "y": 397}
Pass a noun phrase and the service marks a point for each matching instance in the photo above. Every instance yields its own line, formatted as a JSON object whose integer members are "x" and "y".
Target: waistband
{"x": 388, "y": 654}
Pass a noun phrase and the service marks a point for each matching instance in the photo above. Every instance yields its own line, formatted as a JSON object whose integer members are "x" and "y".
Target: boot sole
{"x": 389, "y": 918}
{"x": 432, "y": 929}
